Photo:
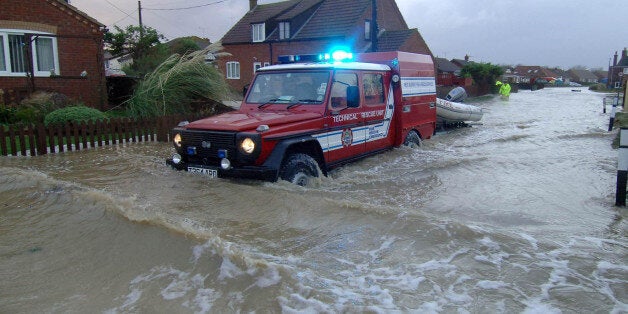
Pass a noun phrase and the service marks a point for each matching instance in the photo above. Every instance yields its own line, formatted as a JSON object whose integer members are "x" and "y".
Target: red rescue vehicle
{"x": 300, "y": 119}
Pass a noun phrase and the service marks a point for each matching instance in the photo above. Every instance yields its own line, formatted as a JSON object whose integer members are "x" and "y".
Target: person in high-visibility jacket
{"x": 504, "y": 90}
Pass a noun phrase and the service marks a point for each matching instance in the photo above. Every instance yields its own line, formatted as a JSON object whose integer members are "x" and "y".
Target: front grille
{"x": 216, "y": 140}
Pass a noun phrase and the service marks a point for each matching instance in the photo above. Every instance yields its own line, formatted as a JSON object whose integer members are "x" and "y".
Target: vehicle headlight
{"x": 177, "y": 140}
{"x": 247, "y": 145}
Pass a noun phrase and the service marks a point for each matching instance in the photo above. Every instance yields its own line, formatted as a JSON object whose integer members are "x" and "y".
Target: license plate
{"x": 204, "y": 171}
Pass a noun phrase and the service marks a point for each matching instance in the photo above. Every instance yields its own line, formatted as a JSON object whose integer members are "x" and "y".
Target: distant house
{"x": 461, "y": 62}
{"x": 602, "y": 76}
{"x": 530, "y": 73}
{"x": 310, "y": 27}
{"x": 619, "y": 70}
{"x": 510, "y": 76}
{"x": 114, "y": 64}
{"x": 562, "y": 77}
{"x": 583, "y": 76}
{"x": 52, "y": 46}
{"x": 447, "y": 73}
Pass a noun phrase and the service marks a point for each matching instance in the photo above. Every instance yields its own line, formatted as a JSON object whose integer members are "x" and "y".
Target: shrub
{"x": 27, "y": 115}
{"x": 597, "y": 87}
{"x": 74, "y": 114}
{"x": 176, "y": 84}
{"x": 39, "y": 104}
{"x": 7, "y": 115}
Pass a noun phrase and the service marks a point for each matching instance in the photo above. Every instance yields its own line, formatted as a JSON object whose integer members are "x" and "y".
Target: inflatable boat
{"x": 454, "y": 112}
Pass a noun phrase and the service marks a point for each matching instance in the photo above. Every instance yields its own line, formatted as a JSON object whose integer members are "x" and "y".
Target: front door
{"x": 346, "y": 133}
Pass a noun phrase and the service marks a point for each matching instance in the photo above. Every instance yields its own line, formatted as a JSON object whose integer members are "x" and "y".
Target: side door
{"x": 346, "y": 133}
{"x": 378, "y": 111}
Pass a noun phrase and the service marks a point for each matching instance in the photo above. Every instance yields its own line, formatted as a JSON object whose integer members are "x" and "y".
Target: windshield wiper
{"x": 268, "y": 102}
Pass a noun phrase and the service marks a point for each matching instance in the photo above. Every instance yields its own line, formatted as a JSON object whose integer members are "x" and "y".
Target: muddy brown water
{"x": 514, "y": 215}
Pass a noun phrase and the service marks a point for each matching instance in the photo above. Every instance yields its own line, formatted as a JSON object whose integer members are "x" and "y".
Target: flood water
{"x": 514, "y": 215}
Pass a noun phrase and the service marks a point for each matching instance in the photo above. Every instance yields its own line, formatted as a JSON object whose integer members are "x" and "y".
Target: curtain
{"x": 45, "y": 54}
{"x": 16, "y": 49}
{"x": 3, "y": 66}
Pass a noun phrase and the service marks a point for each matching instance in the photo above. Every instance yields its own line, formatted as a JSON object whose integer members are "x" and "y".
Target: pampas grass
{"x": 176, "y": 83}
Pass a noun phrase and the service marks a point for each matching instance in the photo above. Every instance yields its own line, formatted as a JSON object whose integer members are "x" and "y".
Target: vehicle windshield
{"x": 289, "y": 88}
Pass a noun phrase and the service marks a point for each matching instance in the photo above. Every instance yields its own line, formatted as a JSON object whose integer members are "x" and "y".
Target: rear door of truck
{"x": 378, "y": 110}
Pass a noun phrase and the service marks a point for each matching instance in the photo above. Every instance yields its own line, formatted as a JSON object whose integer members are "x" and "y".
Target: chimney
{"x": 466, "y": 57}
{"x": 252, "y": 4}
{"x": 615, "y": 59}
{"x": 625, "y": 53}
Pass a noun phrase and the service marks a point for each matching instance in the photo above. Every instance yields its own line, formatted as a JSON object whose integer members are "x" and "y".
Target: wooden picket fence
{"x": 36, "y": 140}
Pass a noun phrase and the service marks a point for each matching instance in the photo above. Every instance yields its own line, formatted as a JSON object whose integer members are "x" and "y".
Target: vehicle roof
{"x": 327, "y": 66}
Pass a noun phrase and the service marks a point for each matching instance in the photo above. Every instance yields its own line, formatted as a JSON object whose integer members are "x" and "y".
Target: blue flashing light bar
{"x": 336, "y": 56}
{"x": 298, "y": 58}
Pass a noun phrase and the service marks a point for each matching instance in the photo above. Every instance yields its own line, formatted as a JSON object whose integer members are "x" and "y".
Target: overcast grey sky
{"x": 562, "y": 33}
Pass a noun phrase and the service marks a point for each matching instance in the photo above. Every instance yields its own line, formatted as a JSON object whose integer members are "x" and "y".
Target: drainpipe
{"x": 375, "y": 28}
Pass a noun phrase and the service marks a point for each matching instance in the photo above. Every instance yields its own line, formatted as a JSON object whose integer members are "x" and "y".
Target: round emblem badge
{"x": 347, "y": 137}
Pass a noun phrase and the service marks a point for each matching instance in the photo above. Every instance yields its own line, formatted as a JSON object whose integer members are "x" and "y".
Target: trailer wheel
{"x": 299, "y": 169}
{"x": 413, "y": 140}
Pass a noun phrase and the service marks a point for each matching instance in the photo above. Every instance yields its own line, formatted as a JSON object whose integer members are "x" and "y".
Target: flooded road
{"x": 514, "y": 215}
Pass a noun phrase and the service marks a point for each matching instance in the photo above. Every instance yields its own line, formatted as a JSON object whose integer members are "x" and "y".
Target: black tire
{"x": 413, "y": 140}
{"x": 299, "y": 169}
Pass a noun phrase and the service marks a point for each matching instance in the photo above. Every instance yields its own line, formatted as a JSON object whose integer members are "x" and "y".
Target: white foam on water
{"x": 531, "y": 239}
{"x": 229, "y": 269}
{"x": 538, "y": 307}
{"x": 203, "y": 301}
{"x": 491, "y": 284}
{"x": 270, "y": 276}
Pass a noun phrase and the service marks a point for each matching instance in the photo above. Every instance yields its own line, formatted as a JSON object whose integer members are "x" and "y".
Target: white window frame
{"x": 258, "y": 32}
{"x": 233, "y": 70}
{"x": 8, "y": 72}
{"x": 284, "y": 30}
{"x": 256, "y": 66}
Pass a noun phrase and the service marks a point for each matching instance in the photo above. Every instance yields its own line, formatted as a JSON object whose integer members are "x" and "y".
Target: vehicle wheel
{"x": 299, "y": 169}
{"x": 413, "y": 140}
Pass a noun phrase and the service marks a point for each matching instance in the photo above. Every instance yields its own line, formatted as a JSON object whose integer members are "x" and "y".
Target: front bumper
{"x": 244, "y": 172}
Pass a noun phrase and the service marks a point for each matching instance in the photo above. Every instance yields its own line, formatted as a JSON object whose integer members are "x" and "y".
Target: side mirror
{"x": 353, "y": 97}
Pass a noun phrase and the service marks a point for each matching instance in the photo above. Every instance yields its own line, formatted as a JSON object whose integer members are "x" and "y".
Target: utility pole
{"x": 139, "y": 12}
{"x": 375, "y": 28}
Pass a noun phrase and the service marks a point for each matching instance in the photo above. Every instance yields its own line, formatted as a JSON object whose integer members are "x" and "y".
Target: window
{"x": 14, "y": 58}
{"x": 284, "y": 30}
{"x": 259, "y": 32}
{"x": 3, "y": 65}
{"x": 266, "y": 64}
{"x": 256, "y": 66}
{"x": 373, "y": 85}
{"x": 367, "y": 30}
{"x": 339, "y": 89}
{"x": 233, "y": 70}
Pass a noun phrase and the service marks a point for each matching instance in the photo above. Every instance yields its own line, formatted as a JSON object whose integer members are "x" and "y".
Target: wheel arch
{"x": 307, "y": 145}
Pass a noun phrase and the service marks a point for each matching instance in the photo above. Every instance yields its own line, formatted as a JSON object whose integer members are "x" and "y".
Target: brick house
{"x": 311, "y": 26}
{"x": 527, "y": 73}
{"x": 619, "y": 70}
{"x": 50, "y": 45}
{"x": 447, "y": 73}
